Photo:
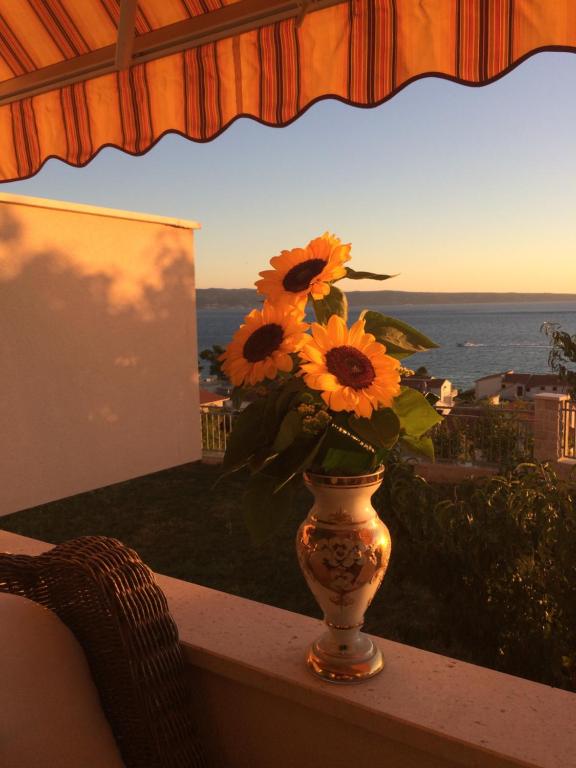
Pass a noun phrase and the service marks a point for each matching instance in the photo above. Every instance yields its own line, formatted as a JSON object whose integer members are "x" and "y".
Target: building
{"x": 523, "y": 386}
{"x": 489, "y": 386}
{"x": 443, "y": 389}
{"x": 518, "y": 386}
{"x": 209, "y": 399}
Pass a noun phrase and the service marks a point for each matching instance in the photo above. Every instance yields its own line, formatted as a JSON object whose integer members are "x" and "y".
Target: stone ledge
{"x": 451, "y": 712}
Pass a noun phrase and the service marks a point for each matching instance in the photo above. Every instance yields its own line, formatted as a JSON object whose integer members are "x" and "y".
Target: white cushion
{"x": 50, "y": 714}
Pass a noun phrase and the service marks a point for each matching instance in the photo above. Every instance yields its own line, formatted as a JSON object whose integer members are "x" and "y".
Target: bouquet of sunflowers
{"x": 322, "y": 396}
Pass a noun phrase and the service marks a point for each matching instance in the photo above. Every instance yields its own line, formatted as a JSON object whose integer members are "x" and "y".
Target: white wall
{"x": 510, "y": 392}
{"x": 98, "y": 355}
{"x": 488, "y": 387}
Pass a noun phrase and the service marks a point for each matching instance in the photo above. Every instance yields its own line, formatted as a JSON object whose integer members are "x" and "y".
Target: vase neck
{"x": 342, "y": 504}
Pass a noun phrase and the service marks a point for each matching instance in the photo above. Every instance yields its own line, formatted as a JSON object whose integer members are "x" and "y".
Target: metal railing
{"x": 494, "y": 438}
{"x": 568, "y": 430}
{"x": 216, "y": 428}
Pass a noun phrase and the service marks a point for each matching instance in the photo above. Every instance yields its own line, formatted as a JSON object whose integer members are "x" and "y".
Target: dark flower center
{"x": 299, "y": 277}
{"x": 350, "y": 366}
{"x": 263, "y": 342}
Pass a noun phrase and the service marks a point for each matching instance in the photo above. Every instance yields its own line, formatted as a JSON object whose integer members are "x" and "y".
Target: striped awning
{"x": 79, "y": 76}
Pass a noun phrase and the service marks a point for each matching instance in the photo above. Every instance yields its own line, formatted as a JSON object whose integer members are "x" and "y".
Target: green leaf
{"x": 288, "y": 392}
{"x": 271, "y": 417}
{"x": 344, "y": 447}
{"x": 238, "y": 396}
{"x": 333, "y": 304}
{"x": 246, "y": 437}
{"x": 295, "y": 459}
{"x": 264, "y": 511}
{"x": 290, "y": 429}
{"x": 422, "y": 446}
{"x": 260, "y": 459}
{"x": 381, "y": 430}
{"x": 415, "y": 412}
{"x": 401, "y": 339}
{"x": 346, "y": 462}
{"x": 352, "y": 274}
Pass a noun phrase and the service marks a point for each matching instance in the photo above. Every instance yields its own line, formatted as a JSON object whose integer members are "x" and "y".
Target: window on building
{"x": 519, "y": 391}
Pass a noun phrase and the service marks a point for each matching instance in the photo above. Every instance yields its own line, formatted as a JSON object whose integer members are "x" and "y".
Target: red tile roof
{"x": 532, "y": 379}
{"x": 206, "y": 397}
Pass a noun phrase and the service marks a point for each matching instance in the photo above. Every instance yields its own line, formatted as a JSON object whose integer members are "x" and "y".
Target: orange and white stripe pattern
{"x": 360, "y": 52}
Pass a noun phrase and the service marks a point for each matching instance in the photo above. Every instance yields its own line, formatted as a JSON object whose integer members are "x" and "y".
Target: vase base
{"x": 341, "y": 667}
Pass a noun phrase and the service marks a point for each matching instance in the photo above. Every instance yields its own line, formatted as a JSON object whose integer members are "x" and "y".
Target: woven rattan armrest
{"x": 109, "y": 599}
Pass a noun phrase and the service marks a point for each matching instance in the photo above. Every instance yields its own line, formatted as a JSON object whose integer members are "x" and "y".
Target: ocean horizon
{"x": 475, "y": 339}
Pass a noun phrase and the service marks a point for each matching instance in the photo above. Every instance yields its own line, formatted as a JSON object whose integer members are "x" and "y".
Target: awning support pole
{"x": 126, "y": 28}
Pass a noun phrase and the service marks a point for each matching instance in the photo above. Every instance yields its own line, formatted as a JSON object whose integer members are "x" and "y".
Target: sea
{"x": 475, "y": 339}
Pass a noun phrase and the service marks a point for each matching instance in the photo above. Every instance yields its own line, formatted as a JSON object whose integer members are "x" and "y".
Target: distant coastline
{"x": 240, "y": 298}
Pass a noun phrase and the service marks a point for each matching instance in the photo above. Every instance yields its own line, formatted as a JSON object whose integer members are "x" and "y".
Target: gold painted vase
{"x": 343, "y": 549}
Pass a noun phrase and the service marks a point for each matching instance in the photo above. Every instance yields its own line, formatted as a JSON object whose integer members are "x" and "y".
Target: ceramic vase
{"x": 343, "y": 549}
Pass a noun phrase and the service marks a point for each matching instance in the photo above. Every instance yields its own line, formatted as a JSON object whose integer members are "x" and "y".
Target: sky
{"x": 455, "y": 188}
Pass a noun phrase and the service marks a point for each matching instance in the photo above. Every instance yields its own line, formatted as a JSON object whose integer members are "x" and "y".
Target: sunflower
{"x": 262, "y": 345}
{"x": 350, "y": 367}
{"x": 304, "y": 271}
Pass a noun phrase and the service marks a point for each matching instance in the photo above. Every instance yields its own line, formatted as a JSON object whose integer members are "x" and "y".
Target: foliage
{"x": 492, "y": 436}
{"x": 212, "y": 356}
{"x": 484, "y": 571}
{"x": 467, "y": 395}
{"x": 291, "y": 425}
{"x": 562, "y": 353}
{"x": 400, "y": 339}
{"x": 500, "y": 553}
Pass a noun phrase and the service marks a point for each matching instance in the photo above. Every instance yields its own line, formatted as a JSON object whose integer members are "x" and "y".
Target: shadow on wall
{"x": 92, "y": 391}
{"x": 10, "y": 227}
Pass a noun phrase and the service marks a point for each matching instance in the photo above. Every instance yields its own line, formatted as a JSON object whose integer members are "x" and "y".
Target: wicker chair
{"x": 108, "y": 598}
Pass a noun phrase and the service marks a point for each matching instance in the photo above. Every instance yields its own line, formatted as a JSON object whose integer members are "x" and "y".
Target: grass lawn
{"x": 184, "y": 527}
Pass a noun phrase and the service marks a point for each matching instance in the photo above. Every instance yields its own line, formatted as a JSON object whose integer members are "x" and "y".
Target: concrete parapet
{"x": 256, "y": 706}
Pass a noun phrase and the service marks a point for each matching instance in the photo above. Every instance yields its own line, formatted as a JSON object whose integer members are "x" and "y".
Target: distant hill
{"x": 240, "y": 298}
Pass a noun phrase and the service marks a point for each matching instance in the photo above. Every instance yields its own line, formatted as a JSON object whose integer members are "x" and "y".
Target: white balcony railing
{"x": 216, "y": 427}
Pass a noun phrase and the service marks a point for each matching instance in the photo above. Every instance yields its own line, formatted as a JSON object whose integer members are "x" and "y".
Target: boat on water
{"x": 470, "y": 344}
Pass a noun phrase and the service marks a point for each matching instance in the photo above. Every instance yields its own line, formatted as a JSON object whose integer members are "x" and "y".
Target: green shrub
{"x": 484, "y": 571}
{"x": 499, "y": 555}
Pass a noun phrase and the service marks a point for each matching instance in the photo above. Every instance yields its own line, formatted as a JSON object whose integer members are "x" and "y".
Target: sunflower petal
{"x": 363, "y": 406}
{"x": 325, "y": 381}
{"x": 284, "y": 362}
{"x": 339, "y": 401}
{"x": 319, "y": 290}
{"x": 313, "y": 354}
{"x": 336, "y": 330}
{"x": 321, "y": 337}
